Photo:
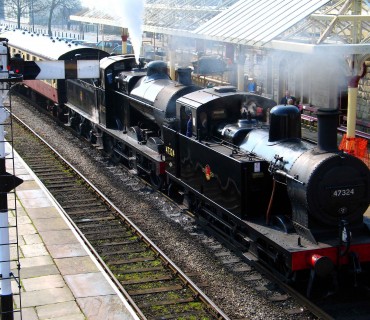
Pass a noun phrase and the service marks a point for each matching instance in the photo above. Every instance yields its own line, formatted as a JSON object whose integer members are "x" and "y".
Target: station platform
{"x": 60, "y": 280}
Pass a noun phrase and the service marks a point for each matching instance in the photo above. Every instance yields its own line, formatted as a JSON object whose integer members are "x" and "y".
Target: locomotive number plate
{"x": 170, "y": 151}
{"x": 343, "y": 192}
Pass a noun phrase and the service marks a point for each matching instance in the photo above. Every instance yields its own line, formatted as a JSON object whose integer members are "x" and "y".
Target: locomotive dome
{"x": 283, "y": 110}
{"x": 285, "y": 123}
{"x": 157, "y": 70}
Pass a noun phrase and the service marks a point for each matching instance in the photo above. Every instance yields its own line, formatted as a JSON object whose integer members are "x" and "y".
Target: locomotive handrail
{"x": 235, "y": 150}
{"x": 288, "y": 176}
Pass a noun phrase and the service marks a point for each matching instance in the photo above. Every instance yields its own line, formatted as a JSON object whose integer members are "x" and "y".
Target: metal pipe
{"x": 172, "y": 57}
{"x": 352, "y": 102}
{"x": 124, "y": 37}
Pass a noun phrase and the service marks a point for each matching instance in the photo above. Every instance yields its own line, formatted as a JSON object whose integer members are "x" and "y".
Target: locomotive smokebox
{"x": 184, "y": 76}
{"x": 327, "y": 123}
{"x": 285, "y": 123}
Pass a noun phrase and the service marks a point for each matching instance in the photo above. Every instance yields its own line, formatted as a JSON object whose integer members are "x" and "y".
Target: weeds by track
{"x": 153, "y": 285}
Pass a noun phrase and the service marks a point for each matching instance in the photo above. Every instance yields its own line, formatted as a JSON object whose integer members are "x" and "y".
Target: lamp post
{"x": 32, "y": 17}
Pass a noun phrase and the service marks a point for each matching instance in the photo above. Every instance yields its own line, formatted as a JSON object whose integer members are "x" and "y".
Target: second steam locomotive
{"x": 236, "y": 159}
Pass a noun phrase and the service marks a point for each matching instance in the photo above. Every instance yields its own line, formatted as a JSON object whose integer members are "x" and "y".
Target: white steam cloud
{"x": 129, "y": 12}
{"x": 132, "y": 18}
{"x": 317, "y": 77}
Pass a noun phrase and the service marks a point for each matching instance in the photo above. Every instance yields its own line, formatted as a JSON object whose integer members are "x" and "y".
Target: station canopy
{"x": 293, "y": 25}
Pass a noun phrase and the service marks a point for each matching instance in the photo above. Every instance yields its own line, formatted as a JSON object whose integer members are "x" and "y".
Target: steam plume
{"x": 132, "y": 18}
{"x": 130, "y": 13}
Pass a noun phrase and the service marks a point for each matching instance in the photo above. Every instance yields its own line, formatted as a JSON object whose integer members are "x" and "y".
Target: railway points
{"x": 59, "y": 277}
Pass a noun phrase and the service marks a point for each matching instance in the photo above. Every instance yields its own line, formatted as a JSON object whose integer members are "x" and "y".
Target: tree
{"x": 17, "y": 9}
{"x": 64, "y": 5}
{"x": 25, "y": 9}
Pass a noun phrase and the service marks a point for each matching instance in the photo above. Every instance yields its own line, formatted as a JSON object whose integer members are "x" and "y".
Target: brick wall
{"x": 363, "y": 99}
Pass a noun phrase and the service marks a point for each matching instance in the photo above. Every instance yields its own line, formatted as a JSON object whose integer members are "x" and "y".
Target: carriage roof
{"x": 48, "y": 48}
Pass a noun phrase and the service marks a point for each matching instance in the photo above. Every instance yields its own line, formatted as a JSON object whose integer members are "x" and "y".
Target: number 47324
{"x": 343, "y": 192}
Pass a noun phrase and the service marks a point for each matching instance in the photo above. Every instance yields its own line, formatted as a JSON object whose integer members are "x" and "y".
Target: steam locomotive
{"x": 236, "y": 159}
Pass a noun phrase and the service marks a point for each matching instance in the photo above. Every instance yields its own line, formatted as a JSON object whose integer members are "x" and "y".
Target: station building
{"x": 315, "y": 49}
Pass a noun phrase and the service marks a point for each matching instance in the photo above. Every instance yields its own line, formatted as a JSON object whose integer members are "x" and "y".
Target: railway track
{"x": 153, "y": 284}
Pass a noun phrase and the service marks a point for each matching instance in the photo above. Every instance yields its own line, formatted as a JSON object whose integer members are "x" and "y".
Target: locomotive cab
{"x": 211, "y": 124}
{"x": 194, "y": 122}
{"x": 219, "y": 113}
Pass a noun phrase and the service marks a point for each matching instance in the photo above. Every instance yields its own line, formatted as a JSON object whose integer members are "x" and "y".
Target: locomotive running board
{"x": 304, "y": 232}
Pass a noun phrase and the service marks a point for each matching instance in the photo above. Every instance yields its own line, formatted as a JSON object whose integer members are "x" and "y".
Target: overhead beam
{"x": 340, "y": 49}
{"x": 329, "y": 29}
{"x": 341, "y": 17}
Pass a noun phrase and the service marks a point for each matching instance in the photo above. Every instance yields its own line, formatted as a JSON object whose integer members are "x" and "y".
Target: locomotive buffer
{"x": 15, "y": 70}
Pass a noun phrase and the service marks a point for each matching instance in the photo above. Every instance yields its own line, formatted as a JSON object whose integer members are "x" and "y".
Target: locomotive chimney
{"x": 327, "y": 123}
{"x": 184, "y": 76}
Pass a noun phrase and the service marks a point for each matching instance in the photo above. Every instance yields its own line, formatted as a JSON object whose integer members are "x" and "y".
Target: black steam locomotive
{"x": 236, "y": 159}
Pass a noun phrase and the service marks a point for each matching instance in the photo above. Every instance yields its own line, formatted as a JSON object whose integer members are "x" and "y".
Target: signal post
{"x": 7, "y": 183}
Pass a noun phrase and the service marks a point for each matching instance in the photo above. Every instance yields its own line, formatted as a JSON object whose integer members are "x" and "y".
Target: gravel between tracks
{"x": 241, "y": 295}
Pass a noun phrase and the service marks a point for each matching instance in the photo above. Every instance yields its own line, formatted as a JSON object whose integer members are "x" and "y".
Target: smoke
{"x": 327, "y": 74}
{"x": 130, "y": 14}
{"x": 318, "y": 77}
{"x": 132, "y": 17}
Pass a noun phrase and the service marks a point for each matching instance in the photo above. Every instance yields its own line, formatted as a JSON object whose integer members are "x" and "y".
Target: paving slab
{"x": 76, "y": 265}
{"x": 88, "y": 285}
{"x": 34, "y": 250}
{"x": 44, "y": 282}
{"x": 46, "y": 212}
{"x": 36, "y": 262}
{"x": 66, "y": 250}
{"x": 26, "y": 229}
{"x": 31, "y": 239}
{"x": 58, "y": 237}
{"x": 45, "y": 297}
{"x": 57, "y": 310}
{"x": 39, "y": 271}
{"x": 50, "y": 224}
{"x": 28, "y": 314}
{"x": 31, "y": 199}
{"x": 28, "y": 184}
{"x": 20, "y": 220}
{"x": 103, "y": 307}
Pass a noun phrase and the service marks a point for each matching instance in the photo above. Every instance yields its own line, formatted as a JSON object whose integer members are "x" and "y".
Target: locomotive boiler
{"x": 325, "y": 187}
